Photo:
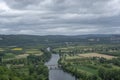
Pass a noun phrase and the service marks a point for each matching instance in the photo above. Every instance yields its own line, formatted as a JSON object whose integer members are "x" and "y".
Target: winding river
{"x": 54, "y": 72}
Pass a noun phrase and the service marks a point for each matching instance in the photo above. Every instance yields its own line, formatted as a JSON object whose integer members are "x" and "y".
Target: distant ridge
{"x": 10, "y": 40}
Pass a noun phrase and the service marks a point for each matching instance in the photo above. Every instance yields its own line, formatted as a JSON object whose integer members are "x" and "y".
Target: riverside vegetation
{"x": 98, "y": 62}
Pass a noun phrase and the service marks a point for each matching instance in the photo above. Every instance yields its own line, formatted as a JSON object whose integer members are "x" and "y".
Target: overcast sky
{"x": 59, "y": 17}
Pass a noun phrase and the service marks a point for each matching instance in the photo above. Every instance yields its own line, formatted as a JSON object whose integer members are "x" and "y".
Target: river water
{"x": 54, "y": 72}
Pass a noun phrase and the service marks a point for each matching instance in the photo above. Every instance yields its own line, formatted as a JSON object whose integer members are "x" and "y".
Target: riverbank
{"x": 57, "y": 74}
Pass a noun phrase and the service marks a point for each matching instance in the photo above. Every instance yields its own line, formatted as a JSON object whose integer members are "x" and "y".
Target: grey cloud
{"x": 69, "y": 17}
{"x": 81, "y": 6}
{"x": 22, "y": 4}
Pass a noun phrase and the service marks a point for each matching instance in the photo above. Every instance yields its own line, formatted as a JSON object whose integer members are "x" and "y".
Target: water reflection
{"x": 54, "y": 72}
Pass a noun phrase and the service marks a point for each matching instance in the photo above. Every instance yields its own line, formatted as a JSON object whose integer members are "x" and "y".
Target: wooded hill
{"x": 21, "y": 40}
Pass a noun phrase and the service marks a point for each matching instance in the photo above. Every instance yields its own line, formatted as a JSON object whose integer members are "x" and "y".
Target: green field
{"x": 23, "y": 63}
{"x": 88, "y": 60}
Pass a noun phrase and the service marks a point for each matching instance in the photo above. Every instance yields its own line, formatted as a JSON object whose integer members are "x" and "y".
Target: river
{"x": 54, "y": 72}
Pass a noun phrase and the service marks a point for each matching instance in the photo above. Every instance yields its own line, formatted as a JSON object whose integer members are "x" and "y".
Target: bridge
{"x": 54, "y": 67}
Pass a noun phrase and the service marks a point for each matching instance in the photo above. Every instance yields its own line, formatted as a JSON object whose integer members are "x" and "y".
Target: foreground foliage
{"x": 30, "y": 67}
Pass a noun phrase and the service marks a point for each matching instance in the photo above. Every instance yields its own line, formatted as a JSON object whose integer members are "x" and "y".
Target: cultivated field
{"x": 96, "y": 55}
{"x": 1, "y": 49}
{"x": 17, "y": 49}
{"x": 21, "y": 56}
{"x": 33, "y": 51}
{"x": 89, "y": 55}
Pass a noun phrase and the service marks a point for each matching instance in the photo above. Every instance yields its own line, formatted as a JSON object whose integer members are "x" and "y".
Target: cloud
{"x": 3, "y": 6}
{"x": 69, "y": 17}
